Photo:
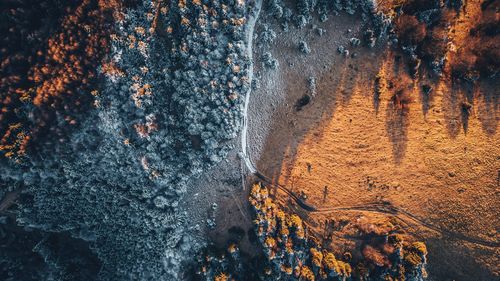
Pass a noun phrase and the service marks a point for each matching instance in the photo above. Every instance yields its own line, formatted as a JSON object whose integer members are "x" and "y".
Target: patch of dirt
{"x": 434, "y": 154}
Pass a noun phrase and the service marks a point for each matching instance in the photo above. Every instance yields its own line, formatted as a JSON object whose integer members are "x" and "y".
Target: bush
{"x": 410, "y": 31}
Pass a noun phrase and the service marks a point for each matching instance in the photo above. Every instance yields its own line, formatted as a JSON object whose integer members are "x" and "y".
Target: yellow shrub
{"x": 295, "y": 221}
{"x": 420, "y": 248}
{"x": 270, "y": 242}
{"x": 221, "y": 277}
{"x": 316, "y": 257}
{"x": 306, "y": 274}
{"x": 330, "y": 262}
{"x": 413, "y": 259}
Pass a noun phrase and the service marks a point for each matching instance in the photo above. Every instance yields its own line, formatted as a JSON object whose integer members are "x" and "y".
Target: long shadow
{"x": 452, "y": 112}
{"x": 322, "y": 112}
{"x": 334, "y": 87}
{"x": 488, "y": 111}
{"x": 450, "y": 260}
{"x": 427, "y": 89}
{"x": 462, "y": 98}
{"x": 463, "y": 101}
{"x": 397, "y": 130}
{"x": 401, "y": 87}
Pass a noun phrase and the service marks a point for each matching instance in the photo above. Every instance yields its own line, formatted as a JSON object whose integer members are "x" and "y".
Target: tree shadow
{"x": 397, "y": 130}
{"x": 451, "y": 109}
{"x": 426, "y": 89}
{"x": 463, "y": 101}
{"x": 466, "y": 104}
{"x": 376, "y": 101}
{"x": 400, "y": 87}
{"x": 488, "y": 108}
{"x": 289, "y": 127}
{"x": 425, "y": 98}
{"x": 451, "y": 260}
{"x": 335, "y": 87}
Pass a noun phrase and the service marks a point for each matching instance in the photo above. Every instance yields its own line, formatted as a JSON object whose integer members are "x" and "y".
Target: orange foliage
{"x": 54, "y": 75}
{"x": 375, "y": 256}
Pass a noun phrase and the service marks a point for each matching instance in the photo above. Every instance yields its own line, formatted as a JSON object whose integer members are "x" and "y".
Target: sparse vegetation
{"x": 290, "y": 250}
{"x": 423, "y": 29}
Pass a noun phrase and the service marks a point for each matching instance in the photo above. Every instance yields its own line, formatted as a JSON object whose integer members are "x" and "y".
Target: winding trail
{"x": 383, "y": 208}
{"x": 249, "y": 34}
{"x": 375, "y": 207}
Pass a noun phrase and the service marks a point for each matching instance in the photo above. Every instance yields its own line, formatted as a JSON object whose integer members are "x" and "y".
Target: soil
{"x": 435, "y": 159}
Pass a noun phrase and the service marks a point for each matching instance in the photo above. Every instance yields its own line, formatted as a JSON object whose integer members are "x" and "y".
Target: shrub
{"x": 410, "y": 31}
{"x": 412, "y": 259}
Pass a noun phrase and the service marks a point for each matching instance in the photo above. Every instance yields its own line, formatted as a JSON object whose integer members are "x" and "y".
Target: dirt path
{"x": 377, "y": 208}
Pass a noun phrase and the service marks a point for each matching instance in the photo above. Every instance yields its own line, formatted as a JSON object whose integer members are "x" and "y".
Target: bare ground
{"x": 436, "y": 161}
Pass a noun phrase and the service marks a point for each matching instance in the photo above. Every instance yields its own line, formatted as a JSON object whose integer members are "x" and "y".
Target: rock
{"x": 304, "y": 48}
